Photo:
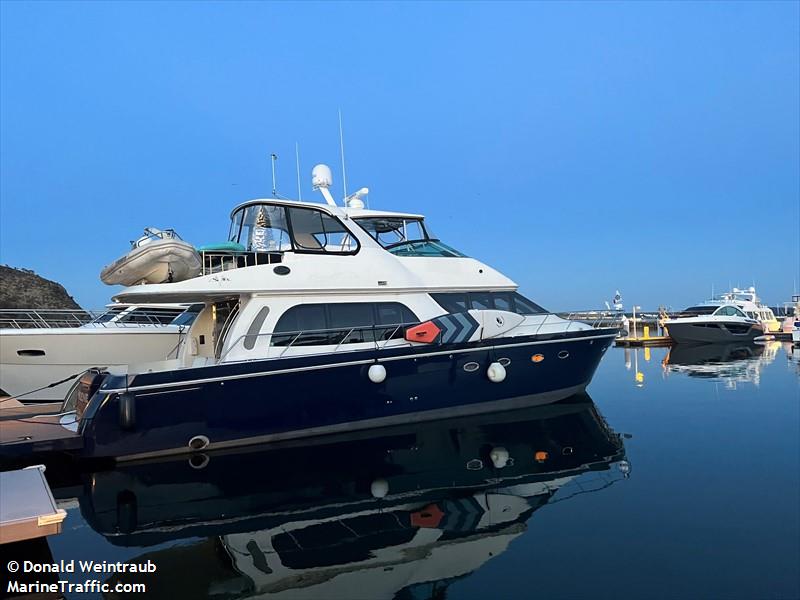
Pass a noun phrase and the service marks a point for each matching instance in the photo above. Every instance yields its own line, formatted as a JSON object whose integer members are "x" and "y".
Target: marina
{"x": 399, "y": 301}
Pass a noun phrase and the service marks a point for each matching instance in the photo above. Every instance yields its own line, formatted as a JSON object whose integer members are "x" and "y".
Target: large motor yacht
{"x": 715, "y": 321}
{"x": 38, "y": 363}
{"x": 318, "y": 319}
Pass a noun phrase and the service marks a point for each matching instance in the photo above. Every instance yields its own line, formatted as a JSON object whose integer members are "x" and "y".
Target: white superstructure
{"x": 32, "y": 359}
{"x": 296, "y": 268}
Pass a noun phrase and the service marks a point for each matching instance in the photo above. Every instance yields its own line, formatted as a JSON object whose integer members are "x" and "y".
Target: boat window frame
{"x": 429, "y": 237}
{"x": 295, "y": 247}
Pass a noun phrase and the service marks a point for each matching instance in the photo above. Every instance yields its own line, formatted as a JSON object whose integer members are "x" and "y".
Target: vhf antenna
{"x": 341, "y": 148}
{"x": 274, "y": 158}
{"x": 297, "y": 162}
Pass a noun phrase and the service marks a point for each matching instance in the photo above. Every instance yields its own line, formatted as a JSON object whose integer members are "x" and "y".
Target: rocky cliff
{"x": 22, "y": 288}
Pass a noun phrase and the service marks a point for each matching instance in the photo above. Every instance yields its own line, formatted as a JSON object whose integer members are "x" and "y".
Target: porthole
{"x": 504, "y": 361}
{"x": 471, "y": 367}
{"x": 563, "y": 354}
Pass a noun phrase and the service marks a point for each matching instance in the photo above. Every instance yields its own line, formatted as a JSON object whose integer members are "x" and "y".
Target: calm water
{"x": 682, "y": 481}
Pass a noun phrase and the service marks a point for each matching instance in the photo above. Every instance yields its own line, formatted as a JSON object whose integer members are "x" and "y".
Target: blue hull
{"x": 262, "y": 401}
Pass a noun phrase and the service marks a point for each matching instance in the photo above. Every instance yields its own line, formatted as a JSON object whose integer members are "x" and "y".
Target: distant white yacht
{"x": 714, "y": 321}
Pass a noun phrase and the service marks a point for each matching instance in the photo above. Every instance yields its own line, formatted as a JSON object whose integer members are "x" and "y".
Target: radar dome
{"x": 321, "y": 176}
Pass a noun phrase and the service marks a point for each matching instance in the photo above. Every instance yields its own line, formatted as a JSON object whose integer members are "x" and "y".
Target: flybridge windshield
{"x": 277, "y": 228}
{"x": 405, "y": 237}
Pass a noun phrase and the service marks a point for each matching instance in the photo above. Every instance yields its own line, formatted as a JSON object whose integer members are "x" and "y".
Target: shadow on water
{"x": 401, "y": 513}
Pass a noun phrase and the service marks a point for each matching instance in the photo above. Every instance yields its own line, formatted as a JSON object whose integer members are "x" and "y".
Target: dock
{"x": 639, "y": 342}
{"x": 27, "y": 507}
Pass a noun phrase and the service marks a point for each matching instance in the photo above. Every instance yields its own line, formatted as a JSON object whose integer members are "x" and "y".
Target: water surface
{"x": 677, "y": 476}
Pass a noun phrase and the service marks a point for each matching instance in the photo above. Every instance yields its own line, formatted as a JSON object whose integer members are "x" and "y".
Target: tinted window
{"x": 481, "y": 300}
{"x": 510, "y": 301}
{"x": 188, "y": 317}
{"x": 348, "y": 323}
{"x": 302, "y": 321}
{"x": 524, "y": 306}
{"x": 502, "y": 301}
{"x": 452, "y": 302}
{"x": 356, "y": 317}
{"x": 694, "y": 311}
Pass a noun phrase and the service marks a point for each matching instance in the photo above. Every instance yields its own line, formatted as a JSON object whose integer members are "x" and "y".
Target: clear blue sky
{"x": 577, "y": 147}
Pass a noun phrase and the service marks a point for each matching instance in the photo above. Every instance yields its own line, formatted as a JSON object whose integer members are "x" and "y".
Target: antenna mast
{"x": 274, "y": 158}
{"x": 297, "y": 162}
{"x": 341, "y": 148}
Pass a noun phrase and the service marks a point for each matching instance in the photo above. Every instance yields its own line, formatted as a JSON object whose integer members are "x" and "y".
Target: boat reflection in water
{"x": 400, "y": 515}
{"x": 731, "y": 363}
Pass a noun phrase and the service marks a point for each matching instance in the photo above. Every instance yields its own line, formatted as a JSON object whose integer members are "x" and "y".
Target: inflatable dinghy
{"x": 156, "y": 257}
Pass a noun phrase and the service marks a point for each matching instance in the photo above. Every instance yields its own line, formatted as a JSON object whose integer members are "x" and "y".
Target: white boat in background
{"x": 33, "y": 358}
{"x": 715, "y": 321}
{"x": 156, "y": 257}
{"x": 749, "y": 302}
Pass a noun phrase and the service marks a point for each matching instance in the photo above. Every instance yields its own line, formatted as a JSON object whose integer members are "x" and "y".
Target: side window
{"x": 524, "y": 306}
{"x": 341, "y": 323}
{"x": 394, "y": 313}
{"x": 316, "y": 231}
{"x": 452, "y": 302}
{"x": 393, "y": 316}
{"x": 302, "y": 324}
{"x": 481, "y": 300}
{"x": 502, "y": 301}
{"x": 351, "y": 320}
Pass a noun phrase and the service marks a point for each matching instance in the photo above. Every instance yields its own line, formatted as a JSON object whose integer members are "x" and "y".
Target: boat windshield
{"x": 406, "y": 237}
{"x": 266, "y": 227}
{"x": 696, "y": 311}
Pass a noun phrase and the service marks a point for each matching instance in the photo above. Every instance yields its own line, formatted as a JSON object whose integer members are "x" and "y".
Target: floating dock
{"x": 637, "y": 342}
{"x": 27, "y": 507}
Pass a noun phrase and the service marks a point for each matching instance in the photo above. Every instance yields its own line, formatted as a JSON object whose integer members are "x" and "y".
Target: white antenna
{"x": 274, "y": 158}
{"x": 297, "y": 162}
{"x": 341, "y": 148}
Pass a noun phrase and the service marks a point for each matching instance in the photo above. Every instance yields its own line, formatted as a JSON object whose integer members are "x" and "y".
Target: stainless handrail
{"x": 28, "y": 318}
{"x": 228, "y": 261}
{"x": 38, "y": 318}
{"x": 298, "y": 334}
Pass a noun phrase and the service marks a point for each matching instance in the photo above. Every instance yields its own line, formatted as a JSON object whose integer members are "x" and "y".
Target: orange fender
{"x": 429, "y": 517}
{"x": 425, "y": 332}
